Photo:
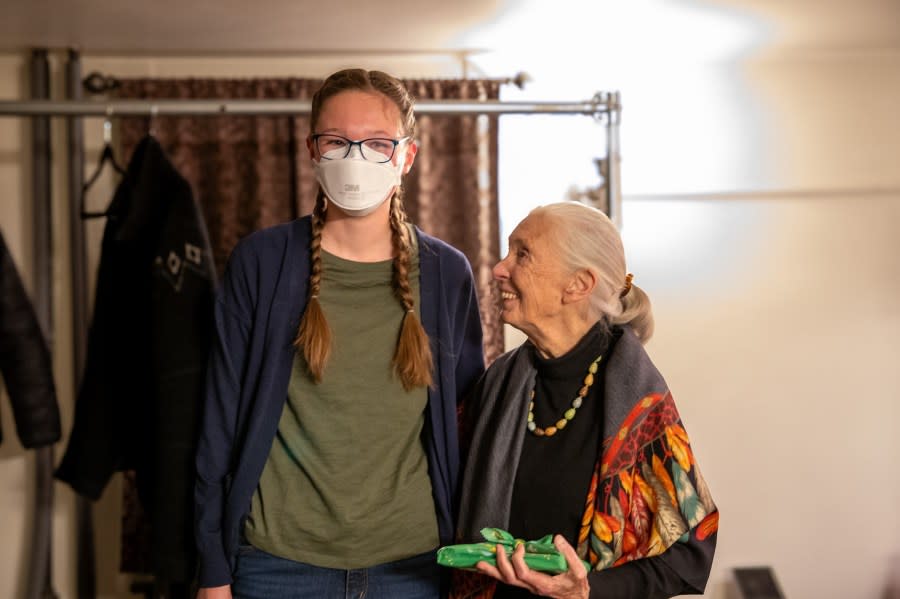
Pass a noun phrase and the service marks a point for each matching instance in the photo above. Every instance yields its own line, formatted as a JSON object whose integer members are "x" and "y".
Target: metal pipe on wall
{"x": 614, "y": 160}
{"x": 84, "y": 526}
{"x": 75, "y": 139}
{"x": 39, "y": 584}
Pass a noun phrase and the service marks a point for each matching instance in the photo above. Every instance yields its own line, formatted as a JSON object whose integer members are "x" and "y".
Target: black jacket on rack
{"x": 25, "y": 361}
{"x": 139, "y": 399}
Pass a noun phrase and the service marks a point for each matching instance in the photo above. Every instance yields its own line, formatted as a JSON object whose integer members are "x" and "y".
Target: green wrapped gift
{"x": 540, "y": 555}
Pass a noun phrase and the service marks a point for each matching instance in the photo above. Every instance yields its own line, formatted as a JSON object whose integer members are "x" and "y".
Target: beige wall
{"x": 761, "y": 202}
{"x": 778, "y": 329}
{"x": 16, "y": 464}
{"x": 778, "y": 306}
{"x": 760, "y": 205}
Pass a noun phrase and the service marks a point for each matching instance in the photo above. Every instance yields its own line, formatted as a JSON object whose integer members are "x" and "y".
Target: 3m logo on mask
{"x": 357, "y": 187}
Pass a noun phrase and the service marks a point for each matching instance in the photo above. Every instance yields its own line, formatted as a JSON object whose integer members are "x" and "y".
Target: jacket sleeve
{"x": 682, "y": 570}
{"x": 468, "y": 346}
{"x": 25, "y": 361}
{"x": 687, "y": 529}
{"x": 216, "y": 445}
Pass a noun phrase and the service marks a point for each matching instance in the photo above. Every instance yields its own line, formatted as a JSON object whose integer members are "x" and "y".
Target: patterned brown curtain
{"x": 451, "y": 192}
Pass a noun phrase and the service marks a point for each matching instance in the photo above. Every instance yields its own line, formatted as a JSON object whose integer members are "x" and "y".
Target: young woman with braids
{"x": 327, "y": 459}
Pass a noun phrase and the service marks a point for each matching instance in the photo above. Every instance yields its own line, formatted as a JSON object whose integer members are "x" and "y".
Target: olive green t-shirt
{"x": 346, "y": 482}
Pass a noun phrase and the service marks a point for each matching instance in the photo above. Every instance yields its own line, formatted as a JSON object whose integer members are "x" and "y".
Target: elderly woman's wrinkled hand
{"x": 571, "y": 584}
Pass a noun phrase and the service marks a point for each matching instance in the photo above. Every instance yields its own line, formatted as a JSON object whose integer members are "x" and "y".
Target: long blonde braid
{"x": 412, "y": 359}
{"x": 314, "y": 334}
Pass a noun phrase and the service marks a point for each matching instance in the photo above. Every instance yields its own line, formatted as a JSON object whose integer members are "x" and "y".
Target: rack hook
{"x": 107, "y": 125}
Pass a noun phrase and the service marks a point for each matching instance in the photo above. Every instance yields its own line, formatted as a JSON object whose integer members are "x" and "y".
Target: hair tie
{"x": 314, "y": 296}
{"x": 627, "y": 286}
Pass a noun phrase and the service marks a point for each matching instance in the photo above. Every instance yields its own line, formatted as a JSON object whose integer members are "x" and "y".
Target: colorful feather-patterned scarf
{"x": 646, "y": 493}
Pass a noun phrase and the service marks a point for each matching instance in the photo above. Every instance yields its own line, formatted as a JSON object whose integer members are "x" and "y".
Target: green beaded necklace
{"x": 570, "y": 413}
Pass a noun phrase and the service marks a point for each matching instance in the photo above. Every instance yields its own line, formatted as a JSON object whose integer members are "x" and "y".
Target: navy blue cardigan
{"x": 257, "y": 312}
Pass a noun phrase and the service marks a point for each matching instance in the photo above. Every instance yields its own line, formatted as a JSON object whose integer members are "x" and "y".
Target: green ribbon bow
{"x": 540, "y": 555}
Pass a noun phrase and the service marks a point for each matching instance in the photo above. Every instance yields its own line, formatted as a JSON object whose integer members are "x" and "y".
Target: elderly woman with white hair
{"x": 575, "y": 433}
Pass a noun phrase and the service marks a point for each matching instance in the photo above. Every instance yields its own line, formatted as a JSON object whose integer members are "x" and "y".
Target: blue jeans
{"x": 261, "y": 575}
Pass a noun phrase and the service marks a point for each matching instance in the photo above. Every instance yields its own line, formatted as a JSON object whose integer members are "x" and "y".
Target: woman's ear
{"x": 581, "y": 285}
{"x": 410, "y": 157}
{"x": 311, "y": 146}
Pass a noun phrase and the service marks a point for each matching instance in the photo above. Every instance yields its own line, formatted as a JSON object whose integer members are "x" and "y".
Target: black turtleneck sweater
{"x": 555, "y": 472}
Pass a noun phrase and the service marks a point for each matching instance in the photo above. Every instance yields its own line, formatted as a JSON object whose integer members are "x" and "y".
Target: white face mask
{"x": 357, "y": 186}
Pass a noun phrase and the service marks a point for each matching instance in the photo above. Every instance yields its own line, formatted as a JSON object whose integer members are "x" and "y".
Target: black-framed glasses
{"x": 373, "y": 149}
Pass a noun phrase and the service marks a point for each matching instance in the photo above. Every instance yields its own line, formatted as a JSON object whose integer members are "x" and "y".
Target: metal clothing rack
{"x": 604, "y": 107}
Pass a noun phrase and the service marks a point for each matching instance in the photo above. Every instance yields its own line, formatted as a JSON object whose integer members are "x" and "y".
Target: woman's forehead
{"x": 533, "y": 223}
{"x": 355, "y": 109}
{"x": 535, "y": 229}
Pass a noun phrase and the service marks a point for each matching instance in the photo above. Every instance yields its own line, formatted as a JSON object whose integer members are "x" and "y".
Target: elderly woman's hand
{"x": 571, "y": 584}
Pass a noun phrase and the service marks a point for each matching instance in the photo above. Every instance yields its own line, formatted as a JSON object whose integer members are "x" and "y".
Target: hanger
{"x": 151, "y": 122}
{"x": 106, "y": 155}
